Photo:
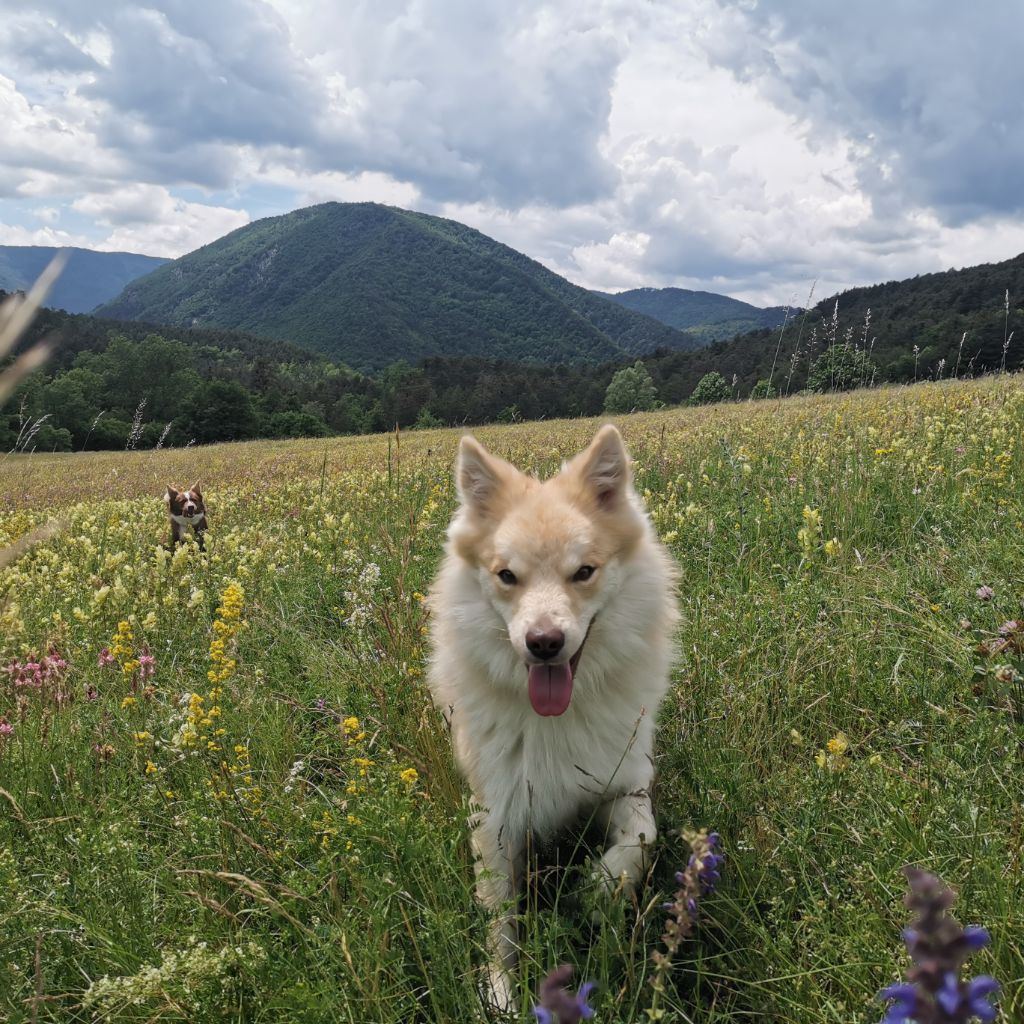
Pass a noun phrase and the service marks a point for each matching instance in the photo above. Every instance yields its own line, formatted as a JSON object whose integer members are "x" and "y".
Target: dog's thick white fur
{"x": 553, "y": 617}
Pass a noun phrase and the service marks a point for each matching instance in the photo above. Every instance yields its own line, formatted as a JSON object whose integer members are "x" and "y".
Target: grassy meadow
{"x": 225, "y": 795}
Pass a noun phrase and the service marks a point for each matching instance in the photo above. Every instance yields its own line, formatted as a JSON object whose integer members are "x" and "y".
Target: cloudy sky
{"x": 742, "y": 147}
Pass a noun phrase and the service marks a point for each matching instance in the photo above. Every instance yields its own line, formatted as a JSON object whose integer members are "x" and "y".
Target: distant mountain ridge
{"x": 372, "y": 284}
{"x": 90, "y": 277}
{"x": 707, "y": 315}
{"x": 216, "y": 384}
{"x": 949, "y": 323}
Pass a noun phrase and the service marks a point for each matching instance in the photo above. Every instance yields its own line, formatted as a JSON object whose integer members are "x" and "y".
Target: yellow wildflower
{"x": 839, "y": 744}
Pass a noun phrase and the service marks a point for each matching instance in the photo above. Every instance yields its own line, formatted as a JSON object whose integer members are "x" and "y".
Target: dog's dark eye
{"x": 583, "y": 573}
{"x": 508, "y": 577}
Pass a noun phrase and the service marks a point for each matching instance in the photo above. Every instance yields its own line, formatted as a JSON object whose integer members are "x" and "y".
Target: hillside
{"x": 374, "y": 284}
{"x": 207, "y": 385}
{"x": 89, "y": 278}
{"x": 216, "y": 384}
{"x": 706, "y": 315}
{"x": 930, "y": 311}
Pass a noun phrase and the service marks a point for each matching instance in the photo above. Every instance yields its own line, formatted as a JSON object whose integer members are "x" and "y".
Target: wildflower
{"x": 293, "y": 774}
{"x": 810, "y": 533}
{"x": 128, "y": 702}
{"x": 984, "y": 593}
{"x": 839, "y": 744}
{"x": 796, "y": 738}
{"x": 934, "y": 992}
{"x": 696, "y": 880}
{"x": 106, "y": 658}
{"x": 409, "y": 776}
{"x": 833, "y": 547}
{"x": 6, "y": 729}
{"x": 151, "y": 769}
{"x": 834, "y": 755}
{"x": 147, "y": 664}
{"x": 350, "y": 724}
{"x": 557, "y": 1005}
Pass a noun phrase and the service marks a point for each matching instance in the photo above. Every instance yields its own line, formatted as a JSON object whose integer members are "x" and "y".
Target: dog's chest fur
{"x": 541, "y": 773}
{"x": 198, "y": 519}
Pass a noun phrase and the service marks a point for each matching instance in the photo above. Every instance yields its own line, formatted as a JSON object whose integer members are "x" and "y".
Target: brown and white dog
{"x": 186, "y": 508}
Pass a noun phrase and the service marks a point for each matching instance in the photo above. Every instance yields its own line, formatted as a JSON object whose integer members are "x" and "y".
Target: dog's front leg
{"x": 630, "y": 833}
{"x": 499, "y": 867}
{"x": 178, "y": 533}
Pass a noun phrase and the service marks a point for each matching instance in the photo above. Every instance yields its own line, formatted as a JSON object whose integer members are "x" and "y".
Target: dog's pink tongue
{"x": 550, "y": 688}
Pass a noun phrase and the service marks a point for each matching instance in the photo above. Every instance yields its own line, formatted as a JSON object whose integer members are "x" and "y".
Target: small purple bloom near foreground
{"x": 934, "y": 992}
{"x": 696, "y": 880}
{"x": 557, "y": 1004}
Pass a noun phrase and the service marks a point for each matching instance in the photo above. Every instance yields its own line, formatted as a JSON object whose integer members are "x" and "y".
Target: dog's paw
{"x": 498, "y": 992}
{"x": 618, "y": 871}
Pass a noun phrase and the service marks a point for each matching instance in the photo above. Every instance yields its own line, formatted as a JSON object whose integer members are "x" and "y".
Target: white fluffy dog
{"x": 552, "y": 640}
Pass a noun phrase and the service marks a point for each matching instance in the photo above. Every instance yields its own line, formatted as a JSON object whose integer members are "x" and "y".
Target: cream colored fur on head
{"x": 572, "y": 557}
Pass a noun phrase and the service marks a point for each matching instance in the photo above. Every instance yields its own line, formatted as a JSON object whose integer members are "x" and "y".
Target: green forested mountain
{"x": 192, "y": 384}
{"x": 706, "y": 315}
{"x": 372, "y": 284}
{"x": 958, "y": 320}
{"x": 89, "y": 277}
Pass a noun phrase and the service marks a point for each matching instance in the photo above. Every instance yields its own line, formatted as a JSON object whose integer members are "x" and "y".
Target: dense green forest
{"x": 953, "y": 323}
{"x": 371, "y": 285}
{"x": 89, "y": 277}
{"x": 205, "y": 385}
{"x": 706, "y": 315}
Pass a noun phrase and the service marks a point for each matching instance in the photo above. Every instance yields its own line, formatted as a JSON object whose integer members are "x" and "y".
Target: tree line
{"x": 114, "y": 385}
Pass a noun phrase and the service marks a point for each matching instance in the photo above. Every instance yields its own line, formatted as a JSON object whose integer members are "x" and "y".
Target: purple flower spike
{"x": 557, "y": 1005}
{"x": 935, "y": 992}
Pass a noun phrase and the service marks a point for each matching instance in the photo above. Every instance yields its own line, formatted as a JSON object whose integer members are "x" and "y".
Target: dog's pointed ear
{"x": 195, "y": 490}
{"x": 479, "y": 476}
{"x": 603, "y": 468}
{"x": 171, "y": 494}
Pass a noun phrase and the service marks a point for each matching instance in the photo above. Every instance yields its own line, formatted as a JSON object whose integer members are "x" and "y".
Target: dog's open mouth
{"x": 550, "y": 686}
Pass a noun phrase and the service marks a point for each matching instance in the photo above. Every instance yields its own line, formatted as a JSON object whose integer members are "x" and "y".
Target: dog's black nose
{"x": 544, "y": 643}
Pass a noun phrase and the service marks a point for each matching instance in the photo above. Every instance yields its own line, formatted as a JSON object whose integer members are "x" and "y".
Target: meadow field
{"x": 225, "y": 795}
